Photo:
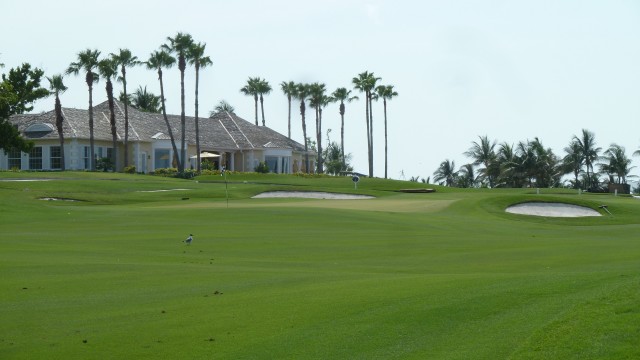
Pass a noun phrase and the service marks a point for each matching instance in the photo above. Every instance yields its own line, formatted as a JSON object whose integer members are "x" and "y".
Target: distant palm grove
{"x": 182, "y": 50}
{"x": 529, "y": 164}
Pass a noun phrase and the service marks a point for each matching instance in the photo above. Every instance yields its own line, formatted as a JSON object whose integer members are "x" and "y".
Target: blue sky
{"x": 512, "y": 70}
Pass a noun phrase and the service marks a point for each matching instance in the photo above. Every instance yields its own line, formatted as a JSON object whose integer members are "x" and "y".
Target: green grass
{"x": 446, "y": 275}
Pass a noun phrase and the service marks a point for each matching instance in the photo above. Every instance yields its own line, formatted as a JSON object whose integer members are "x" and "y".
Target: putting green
{"x": 384, "y": 205}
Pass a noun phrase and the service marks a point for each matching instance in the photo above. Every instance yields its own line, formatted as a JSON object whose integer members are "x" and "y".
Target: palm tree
{"x": 573, "y": 162}
{"x": 342, "y": 95}
{"x": 142, "y": 100}
{"x": 589, "y": 151}
{"x": 263, "y": 88}
{"x": 57, "y": 87}
{"x": 180, "y": 45}
{"x": 251, "y": 89}
{"x": 505, "y": 166}
{"x": 386, "y": 93}
{"x": 467, "y": 177}
{"x": 108, "y": 69}
{"x": 198, "y": 60}
{"x": 446, "y": 172}
{"x": 125, "y": 59}
{"x": 88, "y": 61}
{"x": 617, "y": 163}
{"x": 317, "y": 100}
{"x": 157, "y": 61}
{"x": 483, "y": 153}
{"x": 289, "y": 89}
{"x": 222, "y": 106}
{"x": 302, "y": 92}
{"x": 365, "y": 82}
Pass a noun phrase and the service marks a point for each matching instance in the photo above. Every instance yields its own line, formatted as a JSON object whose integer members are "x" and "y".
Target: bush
{"x": 187, "y": 174}
{"x": 166, "y": 172}
{"x": 104, "y": 164}
{"x": 130, "y": 169}
{"x": 262, "y": 168}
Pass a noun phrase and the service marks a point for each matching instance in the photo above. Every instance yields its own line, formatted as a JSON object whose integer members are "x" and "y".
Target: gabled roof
{"x": 223, "y": 131}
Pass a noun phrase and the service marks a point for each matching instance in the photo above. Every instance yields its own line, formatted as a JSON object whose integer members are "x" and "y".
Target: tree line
{"x": 530, "y": 164}
{"x": 184, "y": 50}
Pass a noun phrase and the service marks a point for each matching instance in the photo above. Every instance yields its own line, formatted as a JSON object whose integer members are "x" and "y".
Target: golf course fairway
{"x": 93, "y": 266}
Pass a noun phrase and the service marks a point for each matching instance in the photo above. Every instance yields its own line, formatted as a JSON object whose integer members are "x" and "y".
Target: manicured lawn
{"x": 447, "y": 275}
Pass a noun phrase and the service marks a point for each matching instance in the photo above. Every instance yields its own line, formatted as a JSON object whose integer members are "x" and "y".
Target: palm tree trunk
{"x": 166, "y": 119}
{"x": 112, "y": 122}
{"x": 320, "y": 158}
{"x": 366, "y": 102}
{"x": 255, "y": 100}
{"x": 289, "y": 119}
{"x": 385, "y": 137}
{"x": 92, "y": 161}
{"x": 304, "y": 134}
{"x": 262, "y": 109}
{"x": 183, "y": 120}
{"x": 319, "y": 154}
{"x": 197, "y": 126}
{"x": 126, "y": 117}
{"x": 342, "y": 134}
{"x": 370, "y": 136}
{"x": 59, "y": 120}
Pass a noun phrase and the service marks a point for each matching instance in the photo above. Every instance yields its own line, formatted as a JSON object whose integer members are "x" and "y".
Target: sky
{"x": 510, "y": 70}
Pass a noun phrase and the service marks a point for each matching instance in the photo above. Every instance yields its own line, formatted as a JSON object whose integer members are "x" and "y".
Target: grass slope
{"x": 447, "y": 275}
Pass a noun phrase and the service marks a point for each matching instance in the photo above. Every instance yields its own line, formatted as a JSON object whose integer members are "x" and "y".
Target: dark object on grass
{"x": 417, "y": 191}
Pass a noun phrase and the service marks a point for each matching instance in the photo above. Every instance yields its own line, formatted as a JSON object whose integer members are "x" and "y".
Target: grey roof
{"x": 224, "y": 131}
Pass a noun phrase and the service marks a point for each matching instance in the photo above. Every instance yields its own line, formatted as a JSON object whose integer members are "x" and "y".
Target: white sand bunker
{"x": 551, "y": 210}
{"x": 310, "y": 195}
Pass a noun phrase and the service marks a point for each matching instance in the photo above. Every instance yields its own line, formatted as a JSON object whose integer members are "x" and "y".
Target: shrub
{"x": 262, "y": 168}
{"x": 130, "y": 169}
{"x": 165, "y": 172}
{"x": 104, "y": 164}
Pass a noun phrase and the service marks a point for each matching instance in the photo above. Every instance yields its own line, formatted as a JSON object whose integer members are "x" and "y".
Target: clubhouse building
{"x": 228, "y": 140}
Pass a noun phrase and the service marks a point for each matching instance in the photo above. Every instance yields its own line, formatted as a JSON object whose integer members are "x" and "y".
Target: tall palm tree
{"x": 125, "y": 59}
{"x": 386, "y": 93}
{"x": 251, "y": 89}
{"x": 302, "y": 92}
{"x": 180, "y": 45}
{"x": 198, "y": 60}
{"x": 483, "y": 152}
{"x": 365, "y": 82}
{"x": 222, "y": 106}
{"x": 317, "y": 100}
{"x": 88, "y": 61}
{"x": 342, "y": 95}
{"x": 289, "y": 89}
{"x": 159, "y": 60}
{"x": 589, "y": 151}
{"x": 263, "y": 88}
{"x": 446, "y": 172}
{"x": 108, "y": 69}
{"x": 57, "y": 87}
{"x": 573, "y": 162}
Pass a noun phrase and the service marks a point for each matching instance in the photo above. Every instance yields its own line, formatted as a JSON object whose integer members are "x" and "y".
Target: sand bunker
{"x": 551, "y": 210}
{"x": 310, "y": 195}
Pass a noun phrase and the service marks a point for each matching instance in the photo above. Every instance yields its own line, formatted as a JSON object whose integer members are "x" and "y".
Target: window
{"x": 56, "y": 157}
{"x": 285, "y": 164}
{"x": 162, "y": 159}
{"x": 86, "y": 157}
{"x": 35, "y": 158}
{"x": 15, "y": 159}
{"x": 272, "y": 163}
{"x": 109, "y": 152}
